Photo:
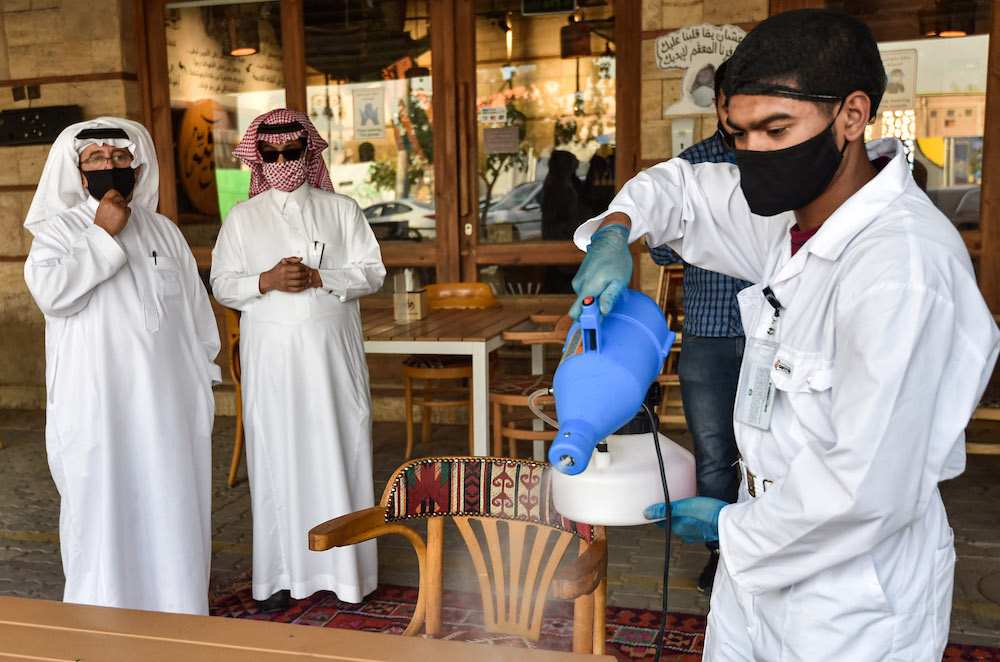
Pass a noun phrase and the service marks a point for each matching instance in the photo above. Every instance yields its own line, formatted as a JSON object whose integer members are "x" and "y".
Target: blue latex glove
{"x": 606, "y": 270}
{"x": 693, "y": 520}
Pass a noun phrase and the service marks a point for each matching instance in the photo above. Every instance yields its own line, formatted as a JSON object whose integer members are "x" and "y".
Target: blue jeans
{"x": 709, "y": 370}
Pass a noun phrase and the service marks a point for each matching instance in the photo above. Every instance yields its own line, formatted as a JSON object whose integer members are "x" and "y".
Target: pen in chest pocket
{"x": 322, "y": 249}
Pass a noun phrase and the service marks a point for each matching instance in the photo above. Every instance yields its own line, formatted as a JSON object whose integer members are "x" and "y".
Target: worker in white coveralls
{"x": 868, "y": 348}
{"x": 130, "y": 339}
{"x": 295, "y": 258}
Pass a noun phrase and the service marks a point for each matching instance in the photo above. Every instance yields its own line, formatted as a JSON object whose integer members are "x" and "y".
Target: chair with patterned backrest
{"x": 233, "y": 345}
{"x": 431, "y": 368}
{"x": 503, "y": 509}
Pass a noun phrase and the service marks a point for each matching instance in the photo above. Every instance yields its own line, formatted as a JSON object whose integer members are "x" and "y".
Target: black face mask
{"x": 791, "y": 178}
{"x": 99, "y": 182}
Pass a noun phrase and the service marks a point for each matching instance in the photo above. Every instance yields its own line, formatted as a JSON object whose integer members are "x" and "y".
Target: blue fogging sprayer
{"x": 605, "y": 450}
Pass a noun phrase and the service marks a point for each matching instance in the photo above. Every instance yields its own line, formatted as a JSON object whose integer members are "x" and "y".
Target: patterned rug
{"x": 631, "y": 633}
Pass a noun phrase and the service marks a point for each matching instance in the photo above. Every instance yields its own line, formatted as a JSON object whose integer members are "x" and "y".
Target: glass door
{"x": 224, "y": 68}
{"x": 546, "y": 128}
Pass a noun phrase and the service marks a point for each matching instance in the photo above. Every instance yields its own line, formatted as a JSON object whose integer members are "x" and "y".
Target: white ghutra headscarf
{"x": 60, "y": 187}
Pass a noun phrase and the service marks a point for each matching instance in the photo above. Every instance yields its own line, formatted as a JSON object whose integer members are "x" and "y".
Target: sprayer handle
{"x": 590, "y": 324}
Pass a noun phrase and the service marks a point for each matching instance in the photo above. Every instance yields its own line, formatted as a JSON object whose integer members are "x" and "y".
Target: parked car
{"x": 401, "y": 220}
{"x": 519, "y": 213}
{"x": 959, "y": 203}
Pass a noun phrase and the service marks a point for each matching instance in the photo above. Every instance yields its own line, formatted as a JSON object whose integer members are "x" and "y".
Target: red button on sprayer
{"x": 588, "y": 300}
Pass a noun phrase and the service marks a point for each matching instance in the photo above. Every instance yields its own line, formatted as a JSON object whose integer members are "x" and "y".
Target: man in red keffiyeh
{"x": 295, "y": 258}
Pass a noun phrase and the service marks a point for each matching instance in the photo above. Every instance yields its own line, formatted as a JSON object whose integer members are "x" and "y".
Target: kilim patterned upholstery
{"x": 519, "y": 384}
{"x": 487, "y": 487}
{"x": 436, "y": 360}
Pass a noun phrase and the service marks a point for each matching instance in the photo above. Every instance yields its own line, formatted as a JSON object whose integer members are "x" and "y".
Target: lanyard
{"x": 773, "y": 300}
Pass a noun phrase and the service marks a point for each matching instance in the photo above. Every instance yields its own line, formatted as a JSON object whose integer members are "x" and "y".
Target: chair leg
{"x": 408, "y": 406}
{"x": 472, "y": 441}
{"x": 238, "y": 445}
{"x": 583, "y": 623}
{"x": 425, "y": 422}
{"x": 497, "y": 430}
{"x": 600, "y": 617}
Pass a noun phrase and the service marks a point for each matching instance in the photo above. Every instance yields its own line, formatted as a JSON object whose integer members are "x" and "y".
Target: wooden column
{"x": 158, "y": 109}
{"x": 989, "y": 210}
{"x": 142, "y": 62}
{"x": 446, "y": 142}
{"x": 468, "y": 138}
{"x": 293, "y": 54}
{"x": 628, "y": 93}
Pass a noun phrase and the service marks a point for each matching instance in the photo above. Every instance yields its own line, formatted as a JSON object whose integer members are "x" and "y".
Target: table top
{"x": 46, "y": 630}
{"x": 450, "y": 325}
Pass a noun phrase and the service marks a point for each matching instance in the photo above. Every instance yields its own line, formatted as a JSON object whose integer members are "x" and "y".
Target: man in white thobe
{"x": 868, "y": 348}
{"x": 295, "y": 258}
{"x": 130, "y": 340}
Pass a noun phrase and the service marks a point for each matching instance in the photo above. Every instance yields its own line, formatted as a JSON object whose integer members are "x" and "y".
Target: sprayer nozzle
{"x": 567, "y": 461}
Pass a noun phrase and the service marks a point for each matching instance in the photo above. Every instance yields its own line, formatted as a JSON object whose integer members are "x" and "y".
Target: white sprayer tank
{"x": 618, "y": 485}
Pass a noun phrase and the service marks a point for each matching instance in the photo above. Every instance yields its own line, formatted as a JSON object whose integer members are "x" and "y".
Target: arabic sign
{"x": 698, "y": 50}
{"x": 369, "y": 114}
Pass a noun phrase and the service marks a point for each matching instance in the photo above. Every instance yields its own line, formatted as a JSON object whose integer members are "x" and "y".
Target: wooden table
{"x": 473, "y": 333}
{"x": 44, "y": 630}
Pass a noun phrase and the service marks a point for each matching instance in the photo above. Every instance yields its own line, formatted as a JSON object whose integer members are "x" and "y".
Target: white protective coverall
{"x": 885, "y": 347}
{"x": 129, "y": 348}
{"x": 307, "y": 404}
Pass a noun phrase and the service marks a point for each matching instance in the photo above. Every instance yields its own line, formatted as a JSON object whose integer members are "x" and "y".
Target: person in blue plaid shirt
{"x": 711, "y": 353}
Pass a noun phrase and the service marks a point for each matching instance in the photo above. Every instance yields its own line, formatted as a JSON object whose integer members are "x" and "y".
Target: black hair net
{"x": 812, "y": 54}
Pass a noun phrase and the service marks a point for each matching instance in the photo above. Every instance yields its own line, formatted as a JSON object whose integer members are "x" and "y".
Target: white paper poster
{"x": 369, "y": 114}
{"x": 901, "y": 74}
{"x": 698, "y": 50}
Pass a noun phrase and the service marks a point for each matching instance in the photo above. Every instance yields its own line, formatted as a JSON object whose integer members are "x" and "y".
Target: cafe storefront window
{"x": 546, "y": 111}
{"x": 936, "y": 61}
{"x": 224, "y": 68}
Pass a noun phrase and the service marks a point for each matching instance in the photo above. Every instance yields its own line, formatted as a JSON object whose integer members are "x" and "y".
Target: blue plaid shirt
{"x": 710, "y": 307}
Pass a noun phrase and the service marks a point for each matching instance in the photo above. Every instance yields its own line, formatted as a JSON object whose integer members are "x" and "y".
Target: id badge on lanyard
{"x": 755, "y": 395}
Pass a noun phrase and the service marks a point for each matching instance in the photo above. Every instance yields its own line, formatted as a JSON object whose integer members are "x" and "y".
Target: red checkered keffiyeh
{"x": 289, "y": 175}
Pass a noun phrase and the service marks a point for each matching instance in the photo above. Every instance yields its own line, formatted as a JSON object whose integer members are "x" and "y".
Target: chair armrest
{"x": 545, "y": 319}
{"x": 347, "y": 529}
{"x": 584, "y": 574}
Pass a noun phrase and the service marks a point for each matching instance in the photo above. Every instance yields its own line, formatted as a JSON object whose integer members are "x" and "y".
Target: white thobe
{"x": 307, "y": 404}
{"x": 129, "y": 346}
{"x": 885, "y": 347}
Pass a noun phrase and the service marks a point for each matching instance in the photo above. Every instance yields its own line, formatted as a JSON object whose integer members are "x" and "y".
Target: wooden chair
{"x": 508, "y": 504}
{"x": 669, "y": 291}
{"x": 233, "y": 338}
{"x": 509, "y": 394}
{"x": 432, "y": 368}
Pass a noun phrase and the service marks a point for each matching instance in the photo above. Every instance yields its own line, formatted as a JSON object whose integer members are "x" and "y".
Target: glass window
{"x": 368, "y": 89}
{"x": 225, "y": 68}
{"x": 941, "y": 120}
{"x": 935, "y": 102}
{"x": 546, "y": 101}
{"x": 546, "y": 110}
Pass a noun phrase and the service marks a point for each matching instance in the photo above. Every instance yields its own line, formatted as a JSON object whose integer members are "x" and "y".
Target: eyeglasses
{"x": 290, "y": 153}
{"x": 119, "y": 160}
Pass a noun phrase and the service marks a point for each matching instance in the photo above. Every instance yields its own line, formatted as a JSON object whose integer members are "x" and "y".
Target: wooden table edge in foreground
{"x": 46, "y": 630}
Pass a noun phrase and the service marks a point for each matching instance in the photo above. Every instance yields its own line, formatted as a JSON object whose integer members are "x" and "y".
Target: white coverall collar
{"x": 865, "y": 205}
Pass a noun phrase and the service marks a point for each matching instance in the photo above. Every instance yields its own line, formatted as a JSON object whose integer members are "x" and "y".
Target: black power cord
{"x": 654, "y": 424}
